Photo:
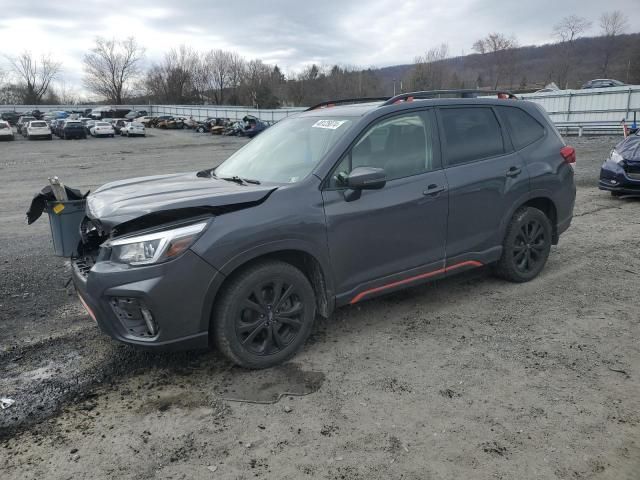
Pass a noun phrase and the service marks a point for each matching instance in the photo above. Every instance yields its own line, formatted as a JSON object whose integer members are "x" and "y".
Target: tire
{"x": 616, "y": 194}
{"x": 201, "y": 130}
{"x": 247, "y": 329}
{"x": 50, "y": 137}
{"x": 526, "y": 246}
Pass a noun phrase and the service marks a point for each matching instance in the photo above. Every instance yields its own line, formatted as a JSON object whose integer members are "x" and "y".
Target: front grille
{"x": 632, "y": 168}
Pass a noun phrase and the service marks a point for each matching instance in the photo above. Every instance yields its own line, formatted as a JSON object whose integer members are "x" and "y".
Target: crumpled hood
{"x": 629, "y": 148}
{"x": 124, "y": 200}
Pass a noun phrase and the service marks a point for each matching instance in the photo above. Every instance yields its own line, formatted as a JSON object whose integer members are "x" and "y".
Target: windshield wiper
{"x": 239, "y": 180}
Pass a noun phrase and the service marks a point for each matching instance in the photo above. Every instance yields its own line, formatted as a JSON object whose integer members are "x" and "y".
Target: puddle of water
{"x": 269, "y": 386}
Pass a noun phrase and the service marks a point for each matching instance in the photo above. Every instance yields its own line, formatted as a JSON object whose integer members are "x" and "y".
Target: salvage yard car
{"x": 6, "y": 132}
{"x": 332, "y": 207}
{"x": 133, "y": 129}
{"x": 22, "y": 122}
{"x": 620, "y": 173}
{"x": 72, "y": 129}
{"x": 102, "y": 129}
{"x": 38, "y": 129}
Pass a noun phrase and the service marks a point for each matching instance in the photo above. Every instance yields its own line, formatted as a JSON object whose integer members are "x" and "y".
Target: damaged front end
{"x": 134, "y": 269}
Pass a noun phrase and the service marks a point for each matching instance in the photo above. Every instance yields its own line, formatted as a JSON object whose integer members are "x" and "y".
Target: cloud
{"x": 289, "y": 33}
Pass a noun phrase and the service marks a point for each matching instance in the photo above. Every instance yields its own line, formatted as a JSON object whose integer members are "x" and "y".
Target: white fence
{"x": 590, "y": 111}
{"x": 573, "y": 111}
{"x": 233, "y": 113}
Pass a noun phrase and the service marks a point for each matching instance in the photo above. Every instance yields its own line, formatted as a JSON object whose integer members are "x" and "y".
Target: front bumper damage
{"x": 174, "y": 295}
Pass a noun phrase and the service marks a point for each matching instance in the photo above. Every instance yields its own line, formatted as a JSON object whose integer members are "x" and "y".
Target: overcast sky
{"x": 291, "y": 33}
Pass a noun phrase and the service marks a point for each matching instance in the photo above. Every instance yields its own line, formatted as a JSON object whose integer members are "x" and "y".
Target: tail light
{"x": 569, "y": 155}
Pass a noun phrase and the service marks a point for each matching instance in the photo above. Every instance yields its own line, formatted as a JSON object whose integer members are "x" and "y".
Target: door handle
{"x": 514, "y": 172}
{"x": 433, "y": 189}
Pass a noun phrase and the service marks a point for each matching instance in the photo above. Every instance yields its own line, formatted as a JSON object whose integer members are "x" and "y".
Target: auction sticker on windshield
{"x": 330, "y": 124}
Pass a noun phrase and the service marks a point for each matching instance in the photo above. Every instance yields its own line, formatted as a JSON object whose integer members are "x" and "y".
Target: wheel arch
{"x": 543, "y": 201}
{"x": 308, "y": 262}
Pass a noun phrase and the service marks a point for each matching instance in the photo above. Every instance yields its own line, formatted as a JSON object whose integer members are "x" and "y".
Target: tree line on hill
{"x": 114, "y": 71}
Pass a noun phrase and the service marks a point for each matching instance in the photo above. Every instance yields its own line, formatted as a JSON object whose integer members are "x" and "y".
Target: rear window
{"x": 523, "y": 128}
{"x": 470, "y": 134}
{"x": 136, "y": 124}
{"x": 3, "y": 125}
{"x": 38, "y": 124}
{"x": 103, "y": 124}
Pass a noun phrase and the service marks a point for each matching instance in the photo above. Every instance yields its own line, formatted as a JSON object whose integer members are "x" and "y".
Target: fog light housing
{"x": 135, "y": 316}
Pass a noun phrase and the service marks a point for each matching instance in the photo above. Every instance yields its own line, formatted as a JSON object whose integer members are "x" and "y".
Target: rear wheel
{"x": 264, "y": 315}
{"x": 526, "y": 246}
{"x": 616, "y": 194}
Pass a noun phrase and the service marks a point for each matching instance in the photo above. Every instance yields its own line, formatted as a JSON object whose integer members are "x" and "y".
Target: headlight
{"x": 154, "y": 247}
{"x": 615, "y": 157}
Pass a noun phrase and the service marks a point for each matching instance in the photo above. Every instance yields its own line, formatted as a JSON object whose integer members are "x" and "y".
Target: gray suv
{"x": 344, "y": 202}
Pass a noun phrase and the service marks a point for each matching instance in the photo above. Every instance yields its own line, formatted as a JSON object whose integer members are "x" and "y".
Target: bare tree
{"x": 173, "y": 80}
{"x": 431, "y": 72}
{"x": 612, "y": 24}
{"x": 567, "y": 31}
{"x": 34, "y": 77}
{"x": 215, "y": 72}
{"x": 111, "y": 66}
{"x": 500, "y": 56}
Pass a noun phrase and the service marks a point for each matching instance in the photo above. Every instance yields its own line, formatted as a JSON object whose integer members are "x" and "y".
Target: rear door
{"x": 486, "y": 178}
{"x": 388, "y": 237}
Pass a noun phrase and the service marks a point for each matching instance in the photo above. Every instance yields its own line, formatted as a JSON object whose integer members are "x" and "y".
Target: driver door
{"x": 381, "y": 239}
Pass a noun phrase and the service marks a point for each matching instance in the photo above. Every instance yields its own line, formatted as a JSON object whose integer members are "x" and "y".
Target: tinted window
{"x": 523, "y": 128}
{"x": 470, "y": 134}
{"x": 38, "y": 124}
{"x": 402, "y": 145}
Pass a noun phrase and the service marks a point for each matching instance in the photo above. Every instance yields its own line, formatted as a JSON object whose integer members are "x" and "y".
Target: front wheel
{"x": 526, "y": 246}
{"x": 616, "y": 194}
{"x": 264, "y": 315}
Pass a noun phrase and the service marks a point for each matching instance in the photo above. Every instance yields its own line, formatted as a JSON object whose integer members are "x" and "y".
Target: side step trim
{"x": 422, "y": 276}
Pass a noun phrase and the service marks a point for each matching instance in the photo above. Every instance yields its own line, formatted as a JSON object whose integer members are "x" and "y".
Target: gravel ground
{"x": 468, "y": 377}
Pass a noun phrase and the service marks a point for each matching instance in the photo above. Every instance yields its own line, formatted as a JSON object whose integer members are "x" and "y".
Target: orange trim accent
{"x": 468, "y": 263}
{"x": 87, "y": 308}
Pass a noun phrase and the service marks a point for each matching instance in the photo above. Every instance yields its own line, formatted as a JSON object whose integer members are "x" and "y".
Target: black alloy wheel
{"x": 264, "y": 314}
{"x": 526, "y": 246}
{"x": 270, "y": 317}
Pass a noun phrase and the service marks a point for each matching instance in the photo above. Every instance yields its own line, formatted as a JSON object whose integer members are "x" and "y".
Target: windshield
{"x": 286, "y": 152}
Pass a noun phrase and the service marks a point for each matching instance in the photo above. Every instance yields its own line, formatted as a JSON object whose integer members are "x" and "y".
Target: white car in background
{"x": 133, "y": 129}
{"x": 102, "y": 129}
{"x": 6, "y": 132}
{"x": 144, "y": 120}
{"x": 38, "y": 129}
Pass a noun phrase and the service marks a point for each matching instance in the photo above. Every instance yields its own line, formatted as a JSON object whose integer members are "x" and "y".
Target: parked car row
{"x": 71, "y": 128}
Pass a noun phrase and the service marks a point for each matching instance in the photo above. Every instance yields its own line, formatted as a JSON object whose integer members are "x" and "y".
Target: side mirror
{"x": 366, "y": 178}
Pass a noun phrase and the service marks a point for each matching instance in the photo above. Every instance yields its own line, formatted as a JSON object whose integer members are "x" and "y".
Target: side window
{"x": 523, "y": 128}
{"x": 470, "y": 134}
{"x": 402, "y": 145}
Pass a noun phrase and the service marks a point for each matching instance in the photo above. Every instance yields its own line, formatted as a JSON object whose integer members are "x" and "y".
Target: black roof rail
{"x": 331, "y": 103}
{"x": 464, "y": 93}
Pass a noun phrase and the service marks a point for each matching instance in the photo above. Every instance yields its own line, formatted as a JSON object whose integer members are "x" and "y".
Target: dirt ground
{"x": 465, "y": 378}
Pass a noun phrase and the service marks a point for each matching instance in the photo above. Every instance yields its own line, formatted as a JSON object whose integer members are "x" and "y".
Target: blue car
{"x": 620, "y": 173}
